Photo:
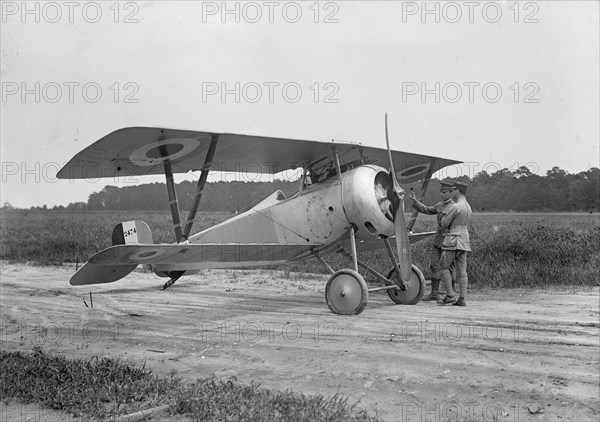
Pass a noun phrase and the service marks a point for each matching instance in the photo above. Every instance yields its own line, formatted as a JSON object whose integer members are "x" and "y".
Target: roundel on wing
{"x": 412, "y": 172}
{"x": 319, "y": 219}
{"x": 167, "y": 149}
{"x": 146, "y": 253}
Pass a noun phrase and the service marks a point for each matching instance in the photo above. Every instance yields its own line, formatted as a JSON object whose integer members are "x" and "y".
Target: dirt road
{"x": 511, "y": 355}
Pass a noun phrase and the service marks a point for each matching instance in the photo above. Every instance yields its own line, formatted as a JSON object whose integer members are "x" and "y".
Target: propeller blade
{"x": 400, "y": 227}
{"x": 387, "y": 141}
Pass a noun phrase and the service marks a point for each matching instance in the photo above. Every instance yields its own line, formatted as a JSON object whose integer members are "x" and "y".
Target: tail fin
{"x": 132, "y": 232}
{"x": 129, "y": 232}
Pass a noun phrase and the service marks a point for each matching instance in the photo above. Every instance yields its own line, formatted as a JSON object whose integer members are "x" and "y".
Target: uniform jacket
{"x": 455, "y": 226}
{"x": 439, "y": 209}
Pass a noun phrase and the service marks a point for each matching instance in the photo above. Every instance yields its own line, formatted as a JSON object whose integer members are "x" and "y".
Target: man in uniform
{"x": 456, "y": 245}
{"x": 439, "y": 209}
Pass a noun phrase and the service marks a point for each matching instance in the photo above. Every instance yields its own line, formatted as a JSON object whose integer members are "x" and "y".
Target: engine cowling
{"x": 364, "y": 196}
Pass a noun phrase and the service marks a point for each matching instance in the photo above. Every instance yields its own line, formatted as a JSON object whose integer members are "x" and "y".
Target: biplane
{"x": 349, "y": 200}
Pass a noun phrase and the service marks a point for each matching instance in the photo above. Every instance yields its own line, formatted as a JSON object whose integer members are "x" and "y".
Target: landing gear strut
{"x": 175, "y": 275}
{"x": 346, "y": 291}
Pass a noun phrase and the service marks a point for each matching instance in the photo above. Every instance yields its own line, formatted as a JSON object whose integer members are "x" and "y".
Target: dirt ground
{"x": 511, "y": 355}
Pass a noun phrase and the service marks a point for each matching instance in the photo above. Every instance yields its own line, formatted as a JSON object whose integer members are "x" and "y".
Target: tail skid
{"x": 175, "y": 275}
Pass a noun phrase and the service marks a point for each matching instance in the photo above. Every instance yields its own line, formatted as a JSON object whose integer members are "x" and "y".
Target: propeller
{"x": 396, "y": 196}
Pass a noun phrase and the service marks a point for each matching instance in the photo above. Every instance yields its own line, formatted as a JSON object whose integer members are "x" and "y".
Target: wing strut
{"x": 200, "y": 187}
{"x": 173, "y": 203}
{"x": 424, "y": 186}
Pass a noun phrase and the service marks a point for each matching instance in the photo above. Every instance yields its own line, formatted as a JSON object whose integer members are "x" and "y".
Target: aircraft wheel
{"x": 346, "y": 293}
{"x": 415, "y": 288}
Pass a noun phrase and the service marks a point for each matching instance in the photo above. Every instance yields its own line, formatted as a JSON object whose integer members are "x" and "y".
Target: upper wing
{"x": 142, "y": 151}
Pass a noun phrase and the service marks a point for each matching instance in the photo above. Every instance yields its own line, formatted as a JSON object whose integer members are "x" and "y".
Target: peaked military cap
{"x": 447, "y": 185}
{"x": 461, "y": 186}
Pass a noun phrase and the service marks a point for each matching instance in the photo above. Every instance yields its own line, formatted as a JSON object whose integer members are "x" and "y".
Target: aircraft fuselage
{"x": 319, "y": 214}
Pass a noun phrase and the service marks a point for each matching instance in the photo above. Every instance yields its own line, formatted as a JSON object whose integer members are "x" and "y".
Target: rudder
{"x": 132, "y": 232}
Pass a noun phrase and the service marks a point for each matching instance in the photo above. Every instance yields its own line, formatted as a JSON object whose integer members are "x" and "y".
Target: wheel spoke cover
{"x": 346, "y": 293}
{"x": 415, "y": 288}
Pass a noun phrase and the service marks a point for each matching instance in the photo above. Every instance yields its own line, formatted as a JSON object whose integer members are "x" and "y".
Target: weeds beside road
{"x": 106, "y": 388}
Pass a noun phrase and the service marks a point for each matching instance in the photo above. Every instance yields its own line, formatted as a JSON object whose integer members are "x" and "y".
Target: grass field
{"x": 107, "y": 388}
{"x": 509, "y": 249}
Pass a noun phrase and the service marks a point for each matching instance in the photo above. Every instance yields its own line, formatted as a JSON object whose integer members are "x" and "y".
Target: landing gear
{"x": 175, "y": 275}
{"x": 415, "y": 287}
{"x": 346, "y": 293}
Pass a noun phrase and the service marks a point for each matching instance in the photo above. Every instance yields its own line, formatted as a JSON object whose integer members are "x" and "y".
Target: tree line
{"x": 503, "y": 191}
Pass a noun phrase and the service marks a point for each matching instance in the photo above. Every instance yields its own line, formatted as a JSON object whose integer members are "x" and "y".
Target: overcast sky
{"x": 494, "y": 84}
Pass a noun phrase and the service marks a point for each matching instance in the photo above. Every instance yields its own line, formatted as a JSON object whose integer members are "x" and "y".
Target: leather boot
{"x": 435, "y": 292}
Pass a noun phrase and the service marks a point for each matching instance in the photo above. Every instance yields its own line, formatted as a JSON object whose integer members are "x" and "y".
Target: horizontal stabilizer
{"x": 97, "y": 274}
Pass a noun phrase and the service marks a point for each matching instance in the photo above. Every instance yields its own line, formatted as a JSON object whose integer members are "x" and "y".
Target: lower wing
{"x": 116, "y": 262}
{"x": 378, "y": 244}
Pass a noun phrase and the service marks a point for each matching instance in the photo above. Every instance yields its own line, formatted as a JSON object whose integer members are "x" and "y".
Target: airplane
{"x": 347, "y": 202}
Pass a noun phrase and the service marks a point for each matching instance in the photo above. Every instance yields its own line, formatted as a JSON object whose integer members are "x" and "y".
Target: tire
{"x": 346, "y": 292}
{"x": 415, "y": 288}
